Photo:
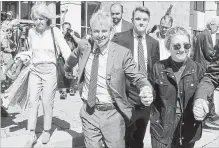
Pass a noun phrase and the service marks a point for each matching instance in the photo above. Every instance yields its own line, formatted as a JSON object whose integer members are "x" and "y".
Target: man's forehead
{"x": 116, "y": 7}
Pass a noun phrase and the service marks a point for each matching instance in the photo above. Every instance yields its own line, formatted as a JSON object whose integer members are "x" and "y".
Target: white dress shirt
{"x": 102, "y": 93}
{"x": 118, "y": 27}
{"x": 136, "y": 48}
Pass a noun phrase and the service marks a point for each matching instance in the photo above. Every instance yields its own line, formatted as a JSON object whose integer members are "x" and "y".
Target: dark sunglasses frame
{"x": 186, "y": 46}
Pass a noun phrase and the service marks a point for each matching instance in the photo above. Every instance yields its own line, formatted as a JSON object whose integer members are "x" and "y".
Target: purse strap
{"x": 53, "y": 38}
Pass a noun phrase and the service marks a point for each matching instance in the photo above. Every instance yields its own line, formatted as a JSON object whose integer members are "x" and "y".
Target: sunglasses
{"x": 178, "y": 46}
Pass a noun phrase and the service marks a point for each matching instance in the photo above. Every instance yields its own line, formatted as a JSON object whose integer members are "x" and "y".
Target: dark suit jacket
{"x": 204, "y": 50}
{"x": 126, "y": 39}
{"x": 120, "y": 66}
{"x": 126, "y": 25}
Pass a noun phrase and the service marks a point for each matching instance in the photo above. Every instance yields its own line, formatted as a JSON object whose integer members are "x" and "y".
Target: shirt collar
{"x": 136, "y": 35}
{"x": 119, "y": 24}
{"x": 101, "y": 51}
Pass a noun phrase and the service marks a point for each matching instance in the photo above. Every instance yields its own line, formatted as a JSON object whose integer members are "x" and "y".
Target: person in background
{"x": 103, "y": 70}
{"x": 72, "y": 38}
{"x": 8, "y": 47}
{"x": 145, "y": 51}
{"x": 204, "y": 53}
{"x": 175, "y": 81}
{"x": 205, "y": 90}
{"x": 43, "y": 72}
{"x": 166, "y": 23}
{"x": 120, "y": 25}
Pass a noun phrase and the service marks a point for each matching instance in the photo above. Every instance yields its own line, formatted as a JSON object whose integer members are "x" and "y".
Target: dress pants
{"x": 42, "y": 82}
{"x": 135, "y": 132}
{"x": 102, "y": 129}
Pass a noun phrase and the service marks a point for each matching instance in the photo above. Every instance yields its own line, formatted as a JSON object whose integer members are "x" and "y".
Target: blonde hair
{"x": 173, "y": 32}
{"x": 102, "y": 17}
{"x": 42, "y": 10}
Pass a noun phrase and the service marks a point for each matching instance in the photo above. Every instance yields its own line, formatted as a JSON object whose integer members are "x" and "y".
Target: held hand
{"x": 200, "y": 109}
{"x": 68, "y": 75}
{"x": 146, "y": 95}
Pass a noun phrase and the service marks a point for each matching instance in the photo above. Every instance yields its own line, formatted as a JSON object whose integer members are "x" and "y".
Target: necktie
{"x": 91, "y": 100}
{"x": 141, "y": 60}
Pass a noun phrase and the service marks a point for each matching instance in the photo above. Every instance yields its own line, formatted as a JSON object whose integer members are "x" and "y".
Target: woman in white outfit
{"x": 43, "y": 79}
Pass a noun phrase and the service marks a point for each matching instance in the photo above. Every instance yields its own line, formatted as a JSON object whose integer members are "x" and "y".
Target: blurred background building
{"x": 191, "y": 15}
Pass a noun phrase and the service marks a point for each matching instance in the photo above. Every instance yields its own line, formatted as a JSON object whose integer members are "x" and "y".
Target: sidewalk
{"x": 66, "y": 125}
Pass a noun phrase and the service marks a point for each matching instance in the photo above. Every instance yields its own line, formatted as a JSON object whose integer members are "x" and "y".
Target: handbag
{"x": 62, "y": 81}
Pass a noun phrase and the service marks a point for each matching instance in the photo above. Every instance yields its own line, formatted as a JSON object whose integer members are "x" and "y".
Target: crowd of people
{"x": 125, "y": 77}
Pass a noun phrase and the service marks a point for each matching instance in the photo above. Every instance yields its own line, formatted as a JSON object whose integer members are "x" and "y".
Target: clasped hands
{"x": 200, "y": 109}
{"x": 146, "y": 95}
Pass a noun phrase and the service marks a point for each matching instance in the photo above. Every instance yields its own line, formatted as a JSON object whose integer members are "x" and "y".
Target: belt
{"x": 105, "y": 107}
{"x": 102, "y": 107}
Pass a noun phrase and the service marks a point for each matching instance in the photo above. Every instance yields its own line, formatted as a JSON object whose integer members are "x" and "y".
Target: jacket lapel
{"x": 110, "y": 60}
{"x": 149, "y": 46}
{"x": 131, "y": 40}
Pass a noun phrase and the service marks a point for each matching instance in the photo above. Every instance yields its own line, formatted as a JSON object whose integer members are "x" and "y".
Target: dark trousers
{"x": 212, "y": 114}
{"x": 136, "y": 132}
{"x": 102, "y": 129}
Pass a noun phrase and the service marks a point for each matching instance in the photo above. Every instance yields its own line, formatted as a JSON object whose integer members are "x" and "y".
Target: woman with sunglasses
{"x": 175, "y": 80}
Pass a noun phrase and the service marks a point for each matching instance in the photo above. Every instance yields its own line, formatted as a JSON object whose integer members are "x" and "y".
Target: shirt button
{"x": 181, "y": 92}
{"x": 161, "y": 82}
{"x": 192, "y": 84}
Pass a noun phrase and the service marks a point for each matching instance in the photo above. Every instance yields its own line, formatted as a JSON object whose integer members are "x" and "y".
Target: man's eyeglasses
{"x": 178, "y": 46}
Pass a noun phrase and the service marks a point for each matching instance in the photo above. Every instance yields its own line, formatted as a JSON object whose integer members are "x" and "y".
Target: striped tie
{"x": 141, "y": 60}
{"x": 91, "y": 100}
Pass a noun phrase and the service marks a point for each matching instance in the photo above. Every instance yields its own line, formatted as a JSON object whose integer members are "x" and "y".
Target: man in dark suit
{"x": 135, "y": 39}
{"x": 204, "y": 53}
{"x": 104, "y": 67}
{"x": 120, "y": 25}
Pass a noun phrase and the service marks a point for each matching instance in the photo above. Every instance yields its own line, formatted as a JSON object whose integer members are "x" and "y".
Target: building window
{"x": 25, "y": 9}
{"x": 199, "y": 6}
{"x": 217, "y": 8}
{"x": 87, "y": 9}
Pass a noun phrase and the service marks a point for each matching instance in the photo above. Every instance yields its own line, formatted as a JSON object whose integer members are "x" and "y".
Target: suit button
{"x": 161, "y": 82}
{"x": 157, "y": 121}
{"x": 181, "y": 92}
{"x": 183, "y": 123}
{"x": 172, "y": 76}
{"x": 192, "y": 84}
{"x": 182, "y": 138}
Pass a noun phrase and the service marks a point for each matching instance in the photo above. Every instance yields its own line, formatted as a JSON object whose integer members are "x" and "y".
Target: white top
{"x": 136, "y": 48}
{"x": 42, "y": 46}
{"x": 118, "y": 27}
{"x": 102, "y": 93}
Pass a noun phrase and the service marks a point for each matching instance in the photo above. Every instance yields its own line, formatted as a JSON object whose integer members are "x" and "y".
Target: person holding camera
{"x": 72, "y": 38}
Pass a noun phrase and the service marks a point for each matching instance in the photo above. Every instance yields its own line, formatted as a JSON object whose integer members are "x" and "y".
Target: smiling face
{"x": 100, "y": 31}
{"x": 40, "y": 23}
{"x": 140, "y": 22}
{"x": 116, "y": 13}
{"x": 179, "y": 47}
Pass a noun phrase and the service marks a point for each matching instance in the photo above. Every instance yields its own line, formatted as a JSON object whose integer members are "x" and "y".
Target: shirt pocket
{"x": 162, "y": 87}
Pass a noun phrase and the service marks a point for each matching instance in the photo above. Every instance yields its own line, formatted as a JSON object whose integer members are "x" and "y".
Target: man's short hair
{"x": 141, "y": 9}
{"x": 101, "y": 16}
{"x": 117, "y": 4}
{"x": 66, "y": 23}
